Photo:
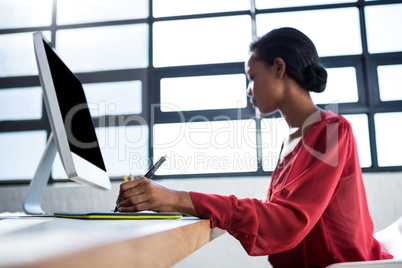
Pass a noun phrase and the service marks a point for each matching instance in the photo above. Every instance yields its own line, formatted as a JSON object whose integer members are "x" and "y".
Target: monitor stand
{"x": 39, "y": 182}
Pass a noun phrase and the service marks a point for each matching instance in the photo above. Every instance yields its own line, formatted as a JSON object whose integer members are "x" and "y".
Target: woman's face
{"x": 266, "y": 88}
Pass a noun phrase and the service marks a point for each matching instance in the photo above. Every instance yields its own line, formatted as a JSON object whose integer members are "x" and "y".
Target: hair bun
{"x": 315, "y": 78}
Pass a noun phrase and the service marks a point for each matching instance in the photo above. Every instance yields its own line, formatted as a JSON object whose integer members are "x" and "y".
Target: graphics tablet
{"x": 119, "y": 215}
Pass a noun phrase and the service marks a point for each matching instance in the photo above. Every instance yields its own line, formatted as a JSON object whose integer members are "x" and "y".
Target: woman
{"x": 316, "y": 211}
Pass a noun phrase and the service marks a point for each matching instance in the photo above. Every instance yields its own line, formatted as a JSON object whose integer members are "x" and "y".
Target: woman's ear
{"x": 279, "y": 67}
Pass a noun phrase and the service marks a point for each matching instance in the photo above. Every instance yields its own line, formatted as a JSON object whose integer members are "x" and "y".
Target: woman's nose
{"x": 250, "y": 89}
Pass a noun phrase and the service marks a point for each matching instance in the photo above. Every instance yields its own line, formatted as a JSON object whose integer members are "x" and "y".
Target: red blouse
{"x": 316, "y": 211}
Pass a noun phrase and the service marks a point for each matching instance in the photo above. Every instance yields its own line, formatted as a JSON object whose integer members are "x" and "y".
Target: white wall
{"x": 383, "y": 194}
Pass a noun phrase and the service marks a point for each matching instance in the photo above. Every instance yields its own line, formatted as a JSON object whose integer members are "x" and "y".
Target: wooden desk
{"x": 56, "y": 242}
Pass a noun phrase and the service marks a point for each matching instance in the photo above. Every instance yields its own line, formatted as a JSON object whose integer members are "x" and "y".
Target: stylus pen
{"x": 155, "y": 167}
{"x": 151, "y": 172}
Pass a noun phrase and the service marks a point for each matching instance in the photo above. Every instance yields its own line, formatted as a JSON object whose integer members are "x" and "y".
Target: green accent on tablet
{"x": 118, "y": 215}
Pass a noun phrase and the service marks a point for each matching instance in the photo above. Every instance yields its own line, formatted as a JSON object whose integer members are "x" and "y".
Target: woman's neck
{"x": 299, "y": 111}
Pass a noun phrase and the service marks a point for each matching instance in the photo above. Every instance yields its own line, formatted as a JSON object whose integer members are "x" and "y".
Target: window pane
{"x": 341, "y": 87}
{"x": 360, "y": 130}
{"x": 21, "y": 103}
{"x": 388, "y": 130}
{"x": 206, "y": 147}
{"x": 162, "y": 8}
{"x": 20, "y": 153}
{"x": 25, "y": 13}
{"x": 108, "y": 48}
{"x": 273, "y": 132}
{"x": 260, "y": 4}
{"x": 203, "y": 92}
{"x": 17, "y": 54}
{"x": 77, "y": 11}
{"x": 124, "y": 150}
{"x": 201, "y": 41}
{"x": 383, "y": 23}
{"x": 330, "y": 34}
{"x": 390, "y": 82}
{"x": 114, "y": 98}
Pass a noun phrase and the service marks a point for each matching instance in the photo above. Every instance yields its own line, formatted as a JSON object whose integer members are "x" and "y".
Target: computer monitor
{"x": 73, "y": 133}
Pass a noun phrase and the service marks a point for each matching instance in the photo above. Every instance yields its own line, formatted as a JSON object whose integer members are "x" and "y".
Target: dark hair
{"x": 299, "y": 54}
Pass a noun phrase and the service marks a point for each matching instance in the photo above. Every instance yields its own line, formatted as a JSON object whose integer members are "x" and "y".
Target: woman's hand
{"x": 144, "y": 194}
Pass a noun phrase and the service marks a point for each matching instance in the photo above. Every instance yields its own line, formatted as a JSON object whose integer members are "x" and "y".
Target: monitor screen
{"x": 74, "y": 110}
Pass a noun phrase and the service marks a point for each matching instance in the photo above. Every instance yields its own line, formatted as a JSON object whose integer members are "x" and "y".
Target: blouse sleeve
{"x": 265, "y": 228}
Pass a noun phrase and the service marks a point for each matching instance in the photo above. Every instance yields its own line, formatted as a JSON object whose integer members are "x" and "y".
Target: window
{"x": 163, "y": 8}
{"x": 18, "y": 14}
{"x": 381, "y": 32}
{"x": 115, "y": 49}
{"x": 390, "y": 82}
{"x": 20, "y": 153}
{"x": 76, "y": 11}
{"x": 341, "y": 87}
{"x": 201, "y": 41}
{"x": 203, "y": 92}
{"x": 332, "y": 36}
{"x": 387, "y": 139}
{"x": 360, "y": 129}
{"x": 124, "y": 99}
{"x": 261, "y": 4}
{"x": 21, "y": 103}
{"x": 224, "y": 146}
{"x": 162, "y": 80}
{"x": 17, "y": 55}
